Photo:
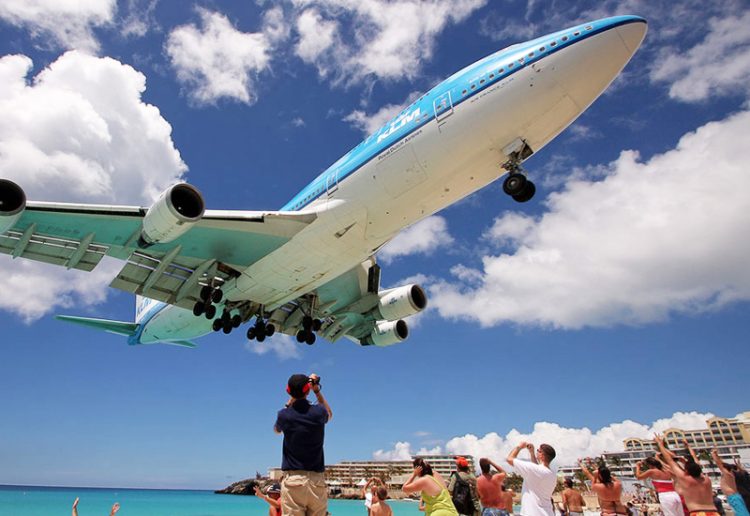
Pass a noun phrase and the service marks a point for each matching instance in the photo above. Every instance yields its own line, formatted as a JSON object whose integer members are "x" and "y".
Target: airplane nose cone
{"x": 633, "y": 33}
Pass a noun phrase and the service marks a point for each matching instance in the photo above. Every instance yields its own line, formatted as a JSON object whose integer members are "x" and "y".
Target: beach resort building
{"x": 354, "y": 474}
{"x": 730, "y": 436}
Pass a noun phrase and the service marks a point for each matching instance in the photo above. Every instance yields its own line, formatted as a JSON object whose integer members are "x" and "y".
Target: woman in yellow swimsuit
{"x": 437, "y": 499}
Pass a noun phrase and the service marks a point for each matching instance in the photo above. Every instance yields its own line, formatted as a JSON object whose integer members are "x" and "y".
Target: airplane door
{"x": 443, "y": 106}
{"x": 332, "y": 182}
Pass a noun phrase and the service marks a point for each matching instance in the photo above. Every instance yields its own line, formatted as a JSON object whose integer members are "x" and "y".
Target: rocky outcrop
{"x": 243, "y": 487}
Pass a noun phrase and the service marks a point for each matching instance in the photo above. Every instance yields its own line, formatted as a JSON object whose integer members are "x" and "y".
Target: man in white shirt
{"x": 539, "y": 480}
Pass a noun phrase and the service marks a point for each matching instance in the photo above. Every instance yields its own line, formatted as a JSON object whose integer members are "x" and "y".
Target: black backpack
{"x": 462, "y": 496}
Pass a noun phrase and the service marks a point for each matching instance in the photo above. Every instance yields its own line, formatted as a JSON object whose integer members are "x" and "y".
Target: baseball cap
{"x": 275, "y": 488}
{"x": 461, "y": 462}
{"x": 298, "y": 385}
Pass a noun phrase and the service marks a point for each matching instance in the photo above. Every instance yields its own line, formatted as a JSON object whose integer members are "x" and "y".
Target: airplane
{"x": 310, "y": 268}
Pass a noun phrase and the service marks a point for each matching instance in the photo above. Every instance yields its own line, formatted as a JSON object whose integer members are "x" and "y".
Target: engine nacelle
{"x": 176, "y": 210}
{"x": 397, "y": 303}
{"x": 386, "y": 333}
{"x": 12, "y": 204}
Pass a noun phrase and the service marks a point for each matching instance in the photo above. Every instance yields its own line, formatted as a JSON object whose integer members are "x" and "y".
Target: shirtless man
{"x": 573, "y": 502}
{"x": 691, "y": 483}
{"x": 490, "y": 488}
{"x": 379, "y": 507}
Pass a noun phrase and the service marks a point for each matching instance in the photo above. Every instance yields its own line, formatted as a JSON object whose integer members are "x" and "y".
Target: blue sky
{"x": 613, "y": 304}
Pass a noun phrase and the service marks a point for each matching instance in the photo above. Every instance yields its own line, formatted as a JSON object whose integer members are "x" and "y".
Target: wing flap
{"x": 72, "y": 254}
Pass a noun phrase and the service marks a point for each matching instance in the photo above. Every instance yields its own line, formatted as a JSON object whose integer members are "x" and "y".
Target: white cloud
{"x": 647, "y": 240}
{"x": 67, "y": 24}
{"x": 718, "y": 65}
{"x": 354, "y": 39}
{"x": 569, "y": 443}
{"x": 79, "y": 132}
{"x": 218, "y": 61}
{"x": 139, "y": 17}
{"x": 422, "y": 238}
{"x": 283, "y": 346}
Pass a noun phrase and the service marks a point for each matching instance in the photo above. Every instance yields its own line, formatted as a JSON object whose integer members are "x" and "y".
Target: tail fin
{"x": 127, "y": 329}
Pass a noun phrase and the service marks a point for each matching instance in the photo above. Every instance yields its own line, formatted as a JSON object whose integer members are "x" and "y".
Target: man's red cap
{"x": 461, "y": 462}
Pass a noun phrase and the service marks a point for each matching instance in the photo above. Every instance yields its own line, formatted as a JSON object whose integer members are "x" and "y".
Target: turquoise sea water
{"x": 44, "y": 501}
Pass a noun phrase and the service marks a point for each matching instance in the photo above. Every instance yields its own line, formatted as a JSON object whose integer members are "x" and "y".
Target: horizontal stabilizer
{"x": 184, "y": 343}
{"x": 118, "y": 327}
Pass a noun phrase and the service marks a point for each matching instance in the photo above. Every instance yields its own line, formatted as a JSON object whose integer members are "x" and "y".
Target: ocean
{"x": 53, "y": 501}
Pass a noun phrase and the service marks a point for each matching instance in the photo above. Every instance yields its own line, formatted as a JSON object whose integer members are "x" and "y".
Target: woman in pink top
{"x": 671, "y": 504}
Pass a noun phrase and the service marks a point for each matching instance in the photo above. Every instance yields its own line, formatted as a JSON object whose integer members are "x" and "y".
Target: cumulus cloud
{"x": 217, "y": 60}
{"x": 78, "y": 132}
{"x": 718, "y": 65}
{"x": 63, "y": 24}
{"x": 569, "y": 443}
{"x": 422, "y": 238}
{"x": 350, "y": 40}
{"x": 647, "y": 240}
{"x": 283, "y": 346}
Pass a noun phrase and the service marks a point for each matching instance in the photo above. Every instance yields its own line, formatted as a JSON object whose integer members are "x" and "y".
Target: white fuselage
{"x": 459, "y": 151}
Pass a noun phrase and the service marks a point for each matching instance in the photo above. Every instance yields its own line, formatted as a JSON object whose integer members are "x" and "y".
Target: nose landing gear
{"x": 516, "y": 184}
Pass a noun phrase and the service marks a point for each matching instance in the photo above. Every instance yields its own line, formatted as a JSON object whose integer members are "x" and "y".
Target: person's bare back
{"x": 507, "y": 497}
{"x": 572, "y": 500}
{"x": 381, "y": 509}
{"x": 697, "y": 492}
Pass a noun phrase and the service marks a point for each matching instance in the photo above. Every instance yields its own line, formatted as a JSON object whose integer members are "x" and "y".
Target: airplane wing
{"x": 219, "y": 245}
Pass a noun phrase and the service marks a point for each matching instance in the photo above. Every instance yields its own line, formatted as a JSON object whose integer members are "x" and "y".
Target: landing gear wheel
{"x": 261, "y": 337}
{"x": 216, "y": 296}
{"x": 514, "y": 184}
{"x": 205, "y": 293}
{"x": 210, "y": 312}
{"x": 316, "y": 324}
{"x": 270, "y": 330}
{"x": 236, "y": 321}
{"x": 227, "y": 327}
{"x": 310, "y": 338}
{"x": 528, "y": 192}
{"x": 199, "y": 308}
{"x": 216, "y": 326}
{"x": 301, "y": 335}
{"x": 307, "y": 322}
{"x": 251, "y": 333}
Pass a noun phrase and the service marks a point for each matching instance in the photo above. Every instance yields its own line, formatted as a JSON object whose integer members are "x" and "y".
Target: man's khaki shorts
{"x": 304, "y": 493}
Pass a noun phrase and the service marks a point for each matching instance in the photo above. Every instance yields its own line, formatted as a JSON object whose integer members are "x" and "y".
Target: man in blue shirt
{"x": 303, "y": 488}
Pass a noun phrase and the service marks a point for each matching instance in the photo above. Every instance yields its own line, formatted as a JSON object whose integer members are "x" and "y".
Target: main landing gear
{"x": 206, "y": 306}
{"x": 260, "y": 330}
{"x": 309, "y": 326}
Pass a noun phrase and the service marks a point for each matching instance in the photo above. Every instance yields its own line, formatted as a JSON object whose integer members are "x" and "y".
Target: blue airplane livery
{"x": 310, "y": 268}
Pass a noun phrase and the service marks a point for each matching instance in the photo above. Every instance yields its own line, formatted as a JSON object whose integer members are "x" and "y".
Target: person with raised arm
{"x": 303, "y": 485}
{"x": 728, "y": 485}
{"x": 112, "y": 511}
{"x": 539, "y": 480}
{"x": 368, "y": 492}
{"x": 490, "y": 488}
{"x": 690, "y": 482}
{"x": 608, "y": 489}
{"x": 434, "y": 491}
{"x": 272, "y": 498}
{"x": 669, "y": 500}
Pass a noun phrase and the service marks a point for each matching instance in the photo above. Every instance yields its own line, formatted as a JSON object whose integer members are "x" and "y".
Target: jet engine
{"x": 386, "y": 333}
{"x": 397, "y": 303}
{"x": 12, "y": 204}
{"x": 176, "y": 210}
